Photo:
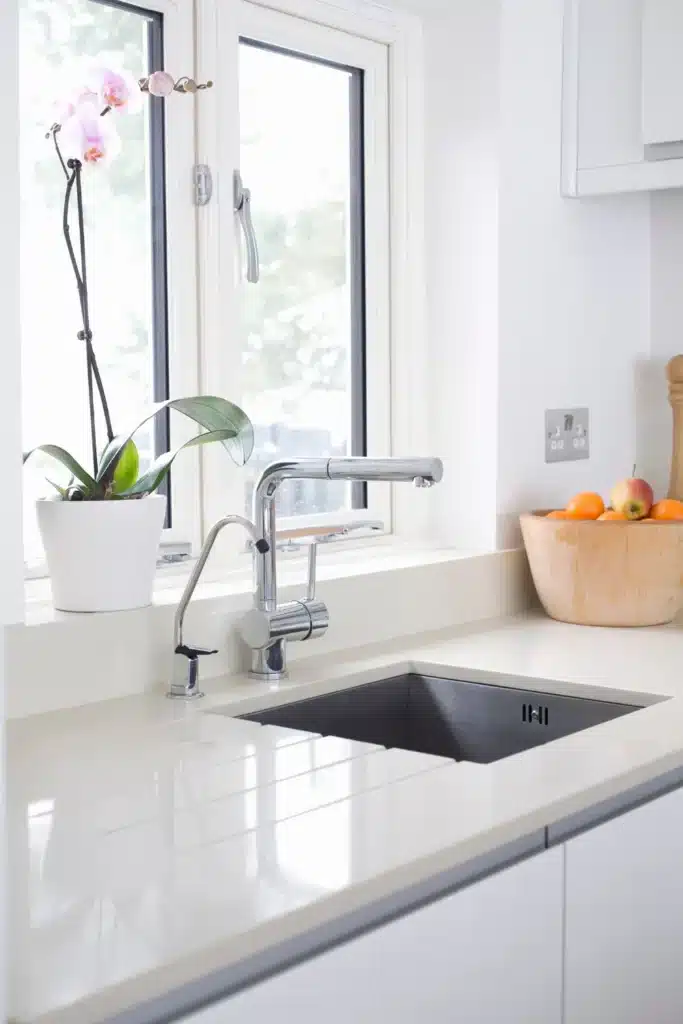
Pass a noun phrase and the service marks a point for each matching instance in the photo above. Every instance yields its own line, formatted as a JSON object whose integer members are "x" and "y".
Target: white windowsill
{"x": 341, "y": 561}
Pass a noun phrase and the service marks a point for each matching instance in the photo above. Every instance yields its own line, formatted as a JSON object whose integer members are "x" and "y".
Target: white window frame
{"x": 387, "y": 46}
{"x": 203, "y": 247}
{"x": 279, "y": 29}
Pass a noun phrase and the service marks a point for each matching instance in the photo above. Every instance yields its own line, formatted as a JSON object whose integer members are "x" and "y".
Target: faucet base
{"x": 269, "y": 664}
{"x": 267, "y": 677}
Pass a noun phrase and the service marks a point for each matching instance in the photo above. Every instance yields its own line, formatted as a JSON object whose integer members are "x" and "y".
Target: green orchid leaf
{"x": 150, "y": 481}
{"x": 127, "y": 469}
{"x": 216, "y": 415}
{"x": 92, "y": 487}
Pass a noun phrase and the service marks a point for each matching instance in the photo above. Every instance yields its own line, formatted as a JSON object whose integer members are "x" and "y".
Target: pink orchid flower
{"x": 66, "y": 108}
{"x": 116, "y": 90}
{"x": 88, "y": 136}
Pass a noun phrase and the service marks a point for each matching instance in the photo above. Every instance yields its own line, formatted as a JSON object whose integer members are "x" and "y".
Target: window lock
{"x": 203, "y": 184}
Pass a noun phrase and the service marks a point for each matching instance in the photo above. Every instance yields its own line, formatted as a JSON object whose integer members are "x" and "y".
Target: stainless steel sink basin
{"x": 465, "y": 721}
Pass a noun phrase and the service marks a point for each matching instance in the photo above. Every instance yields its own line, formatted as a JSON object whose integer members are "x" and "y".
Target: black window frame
{"x": 159, "y": 236}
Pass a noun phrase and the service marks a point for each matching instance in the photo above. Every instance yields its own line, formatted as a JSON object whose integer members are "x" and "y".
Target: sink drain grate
{"x": 537, "y": 713}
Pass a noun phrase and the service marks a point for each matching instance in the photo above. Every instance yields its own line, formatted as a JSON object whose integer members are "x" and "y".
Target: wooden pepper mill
{"x": 674, "y": 373}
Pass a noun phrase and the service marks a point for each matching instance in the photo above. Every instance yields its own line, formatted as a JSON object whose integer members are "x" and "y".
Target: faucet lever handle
{"x": 312, "y": 566}
{"x": 194, "y": 651}
{"x": 185, "y": 678}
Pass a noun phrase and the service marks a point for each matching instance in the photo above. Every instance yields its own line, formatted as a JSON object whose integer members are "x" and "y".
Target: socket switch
{"x": 567, "y": 435}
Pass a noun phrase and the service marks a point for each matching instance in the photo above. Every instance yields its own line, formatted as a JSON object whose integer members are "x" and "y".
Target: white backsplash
{"x": 79, "y": 659}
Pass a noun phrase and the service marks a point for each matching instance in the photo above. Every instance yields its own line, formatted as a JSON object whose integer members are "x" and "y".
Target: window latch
{"x": 203, "y": 184}
{"x": 242, "y": 207}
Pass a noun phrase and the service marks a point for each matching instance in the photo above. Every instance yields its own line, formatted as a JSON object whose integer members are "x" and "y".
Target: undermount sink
{"x": 465, "y": 721}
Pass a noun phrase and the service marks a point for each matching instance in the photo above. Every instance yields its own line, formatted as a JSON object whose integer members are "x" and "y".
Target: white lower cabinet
{"x": 624, "y": 918}
{"x": 586, "y": 933}
{"x": 489, "y": 954}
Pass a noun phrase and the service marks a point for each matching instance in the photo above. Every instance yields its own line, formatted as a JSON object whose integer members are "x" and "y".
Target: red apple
{"x": 633, "y": 497}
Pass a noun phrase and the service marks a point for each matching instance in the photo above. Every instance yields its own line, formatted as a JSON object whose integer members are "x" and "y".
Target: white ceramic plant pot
{"x": 102, "y": 554}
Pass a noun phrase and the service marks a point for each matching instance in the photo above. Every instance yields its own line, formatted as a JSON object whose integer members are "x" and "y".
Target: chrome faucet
{"x": 267, "y": 627}
{"x": 185, "y": 678}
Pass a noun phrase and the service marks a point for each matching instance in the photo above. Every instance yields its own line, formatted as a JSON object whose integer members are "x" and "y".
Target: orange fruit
{"x": 667, "y": 508}
{"x": 578, "y": 514}
{"x": 563, "y": 513}
{"x": 612, "y": 515}
{"x": 586, "y": 505}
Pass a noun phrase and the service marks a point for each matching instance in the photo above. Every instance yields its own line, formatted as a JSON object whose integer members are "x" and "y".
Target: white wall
{"x": 11, "y": 565}
{"x": 574, "y": 285}
{"x": 666, "y": 323}
{"x": 11, "y": 551}
{"x": 462, "y": 61}
{"x": 535, "y": 301}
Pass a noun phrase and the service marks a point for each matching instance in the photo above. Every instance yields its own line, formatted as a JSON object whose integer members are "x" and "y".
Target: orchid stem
{"x": 53, "y": 131}
{"x": 79, "y": 284}
{"x": 86, "y": 309}
{"x": 80, "y": 273}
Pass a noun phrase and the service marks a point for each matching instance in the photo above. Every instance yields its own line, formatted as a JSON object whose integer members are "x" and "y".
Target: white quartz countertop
{"x": 153, "y": 843}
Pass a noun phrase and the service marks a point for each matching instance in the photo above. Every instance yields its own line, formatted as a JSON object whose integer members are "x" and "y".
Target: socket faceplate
{"x": 567, "y": 435}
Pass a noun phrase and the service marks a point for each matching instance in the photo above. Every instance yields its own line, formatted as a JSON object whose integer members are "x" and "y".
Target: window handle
{"x": 242, "y": 207}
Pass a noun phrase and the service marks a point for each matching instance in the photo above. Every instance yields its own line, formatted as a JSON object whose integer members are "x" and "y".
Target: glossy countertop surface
{"x": 153, "y": 842}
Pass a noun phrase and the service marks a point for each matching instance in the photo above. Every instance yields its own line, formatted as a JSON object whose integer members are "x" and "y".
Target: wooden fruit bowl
{"x": 606, "y": 573}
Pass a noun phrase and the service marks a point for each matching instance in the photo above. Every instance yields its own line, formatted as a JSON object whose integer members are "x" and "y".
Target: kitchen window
{"x": 305, "y": 122}
{"x": 300, "y": 108}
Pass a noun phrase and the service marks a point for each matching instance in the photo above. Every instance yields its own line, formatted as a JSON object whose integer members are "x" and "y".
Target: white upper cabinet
{"x": 489, "y": 954}
{"x": 623, "y": 96}
{"x": 663, "y": 78}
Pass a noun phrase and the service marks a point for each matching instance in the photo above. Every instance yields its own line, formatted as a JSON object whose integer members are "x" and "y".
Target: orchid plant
{"x": 84, "y": 135}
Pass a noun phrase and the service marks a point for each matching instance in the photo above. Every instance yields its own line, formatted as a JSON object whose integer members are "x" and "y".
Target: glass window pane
{"x": 302, "y": 363}
{"x": 55, "y": 35}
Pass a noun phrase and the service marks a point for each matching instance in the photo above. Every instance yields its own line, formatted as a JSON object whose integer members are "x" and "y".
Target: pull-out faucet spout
{"x": 267, "y": 642}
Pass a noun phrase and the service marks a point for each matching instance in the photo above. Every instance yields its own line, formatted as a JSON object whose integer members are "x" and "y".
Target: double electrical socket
{"x": 567, "y": 435}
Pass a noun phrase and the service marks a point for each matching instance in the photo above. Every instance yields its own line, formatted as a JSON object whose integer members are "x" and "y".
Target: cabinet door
{"x": 621, "y": 90}
{"x": 663, "y": 76}
{"x": 609, "y": 91}
{"x": 489, "y": 954}
{"x": 624, "y": 918}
